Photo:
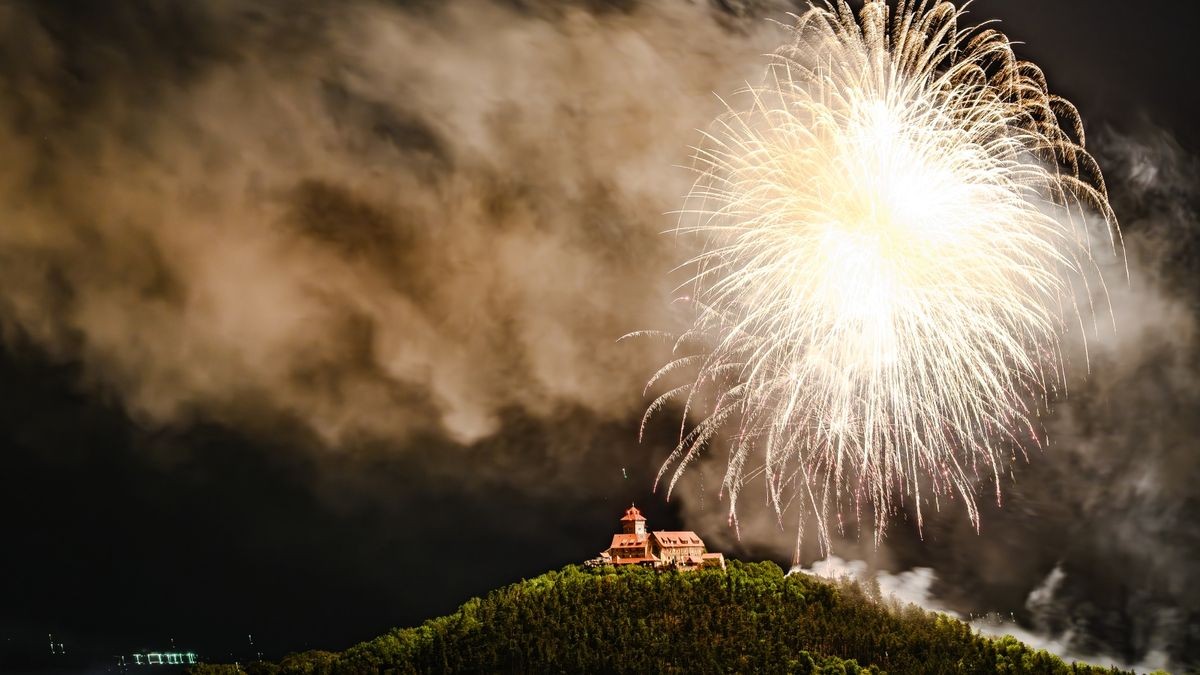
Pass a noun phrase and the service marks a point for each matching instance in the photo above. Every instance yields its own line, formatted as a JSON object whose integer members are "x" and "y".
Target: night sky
{"x": 309, "y": 318}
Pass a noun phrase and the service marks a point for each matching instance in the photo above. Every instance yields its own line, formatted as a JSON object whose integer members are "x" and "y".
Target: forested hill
{"x": 748, "y": 619}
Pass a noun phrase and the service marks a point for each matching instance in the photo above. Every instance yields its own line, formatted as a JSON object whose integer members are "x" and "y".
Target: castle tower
{"x": 633, "y": 522}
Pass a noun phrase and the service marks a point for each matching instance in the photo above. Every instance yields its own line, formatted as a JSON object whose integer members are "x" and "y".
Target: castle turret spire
{"x": 633, "y": 522}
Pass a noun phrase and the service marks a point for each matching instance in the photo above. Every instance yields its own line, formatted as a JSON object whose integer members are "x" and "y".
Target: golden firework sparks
{"x": 893, "y": 230}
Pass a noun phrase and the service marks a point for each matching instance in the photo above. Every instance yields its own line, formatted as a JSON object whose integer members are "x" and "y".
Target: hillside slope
{"x": 751, "y": 618}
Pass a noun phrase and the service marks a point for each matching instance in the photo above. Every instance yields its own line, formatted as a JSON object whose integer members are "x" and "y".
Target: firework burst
{"x": 892, "y": 231}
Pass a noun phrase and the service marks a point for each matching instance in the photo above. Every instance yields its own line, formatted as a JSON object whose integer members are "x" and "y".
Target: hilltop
{"x": 748, "y": 618}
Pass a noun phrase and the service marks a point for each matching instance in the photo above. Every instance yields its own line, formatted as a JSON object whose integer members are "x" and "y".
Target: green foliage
{"x": 215, "y": 669}
{"x": 750, "y": 618}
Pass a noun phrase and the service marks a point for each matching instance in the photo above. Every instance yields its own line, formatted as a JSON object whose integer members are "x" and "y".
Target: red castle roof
{"x": 671, "y": 539}
{"x": 632, "y": 513}
{"x": 628, "y": 540}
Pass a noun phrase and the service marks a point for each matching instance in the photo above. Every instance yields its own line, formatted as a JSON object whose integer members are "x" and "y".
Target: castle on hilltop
{"x": 659, "y": 550}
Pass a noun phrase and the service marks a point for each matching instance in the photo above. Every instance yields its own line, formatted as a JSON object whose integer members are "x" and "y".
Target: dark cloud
{"x": 376, "y": 219}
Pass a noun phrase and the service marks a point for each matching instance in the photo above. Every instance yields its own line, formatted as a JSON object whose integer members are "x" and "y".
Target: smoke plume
{"x": 375, "y": 221}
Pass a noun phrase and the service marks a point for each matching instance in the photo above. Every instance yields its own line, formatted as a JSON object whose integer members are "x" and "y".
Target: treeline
{"x": 748, "y": 619}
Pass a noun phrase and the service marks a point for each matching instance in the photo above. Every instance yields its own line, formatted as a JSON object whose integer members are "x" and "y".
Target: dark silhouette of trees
{"x": 748, "y": 619}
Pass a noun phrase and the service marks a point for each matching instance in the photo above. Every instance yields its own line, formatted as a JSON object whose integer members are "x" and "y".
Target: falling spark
{"x": 892, "y": 233}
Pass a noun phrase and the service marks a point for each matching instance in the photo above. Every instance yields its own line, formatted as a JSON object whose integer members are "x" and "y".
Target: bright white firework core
{"x": 892, "y": 233}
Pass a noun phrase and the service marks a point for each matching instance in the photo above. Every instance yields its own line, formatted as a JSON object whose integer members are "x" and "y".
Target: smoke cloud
{"x": 372, "y": 220}
{"x": 914, "y": 587}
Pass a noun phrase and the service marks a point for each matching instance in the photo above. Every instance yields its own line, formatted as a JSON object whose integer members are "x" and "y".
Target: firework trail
{"x": 893, "y": 231}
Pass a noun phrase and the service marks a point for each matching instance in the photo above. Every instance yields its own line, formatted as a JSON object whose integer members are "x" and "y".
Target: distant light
{"x": 165, "y": 658}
